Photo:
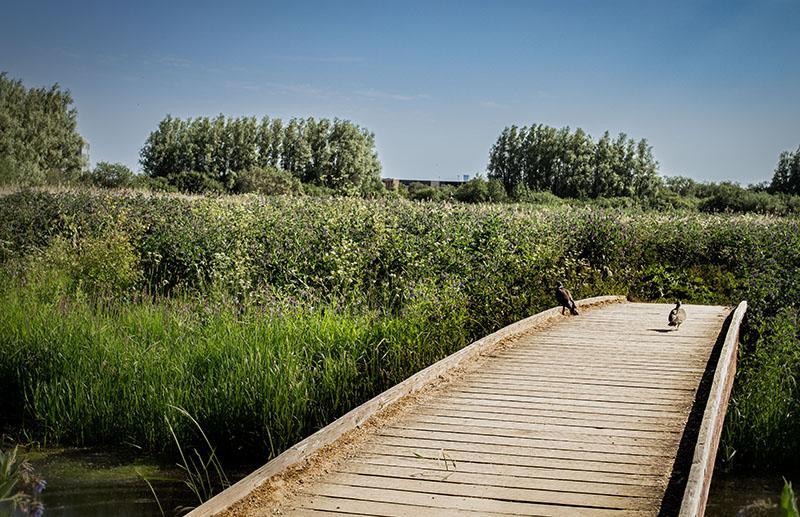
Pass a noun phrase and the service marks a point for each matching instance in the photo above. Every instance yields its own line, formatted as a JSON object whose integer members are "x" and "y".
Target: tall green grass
{"x": 265, "y": 318}
{"x": 80, "y": 372}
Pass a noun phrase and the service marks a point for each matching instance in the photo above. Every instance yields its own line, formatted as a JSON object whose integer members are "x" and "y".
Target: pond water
{"x": 752, "y": 495}
{"x": 93, "y": 482}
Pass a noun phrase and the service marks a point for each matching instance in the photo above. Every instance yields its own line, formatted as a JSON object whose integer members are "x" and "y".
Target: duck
{"x": 677, "y": 316}
{"x": 565, "y": 300}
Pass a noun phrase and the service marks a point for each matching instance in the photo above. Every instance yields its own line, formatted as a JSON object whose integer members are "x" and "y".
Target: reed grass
{"x": 90, "y": 375}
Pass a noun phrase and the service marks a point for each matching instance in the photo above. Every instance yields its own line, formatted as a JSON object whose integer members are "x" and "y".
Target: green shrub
{"x": 110, "y": 175}
{"x": 103, "y": 266}
{"x": 142, "y": 182}
{"x": 267, "y": 181}
{"x": 193, "y": 182}
{"x": 523, "y": 194}
{"x": 421, "y": 192}
{"x": 495, "y": 191}
{"x": 475, "y": 190}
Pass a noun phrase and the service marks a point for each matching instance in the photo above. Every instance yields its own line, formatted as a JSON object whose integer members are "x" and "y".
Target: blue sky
{"x": 713, "y": 86}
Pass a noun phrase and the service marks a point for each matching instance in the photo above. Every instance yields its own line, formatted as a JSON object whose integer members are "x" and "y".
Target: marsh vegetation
{"x": 266, "y": 318}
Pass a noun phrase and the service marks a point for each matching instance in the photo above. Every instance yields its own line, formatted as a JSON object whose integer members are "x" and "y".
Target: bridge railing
{"x": 705, "y": 452}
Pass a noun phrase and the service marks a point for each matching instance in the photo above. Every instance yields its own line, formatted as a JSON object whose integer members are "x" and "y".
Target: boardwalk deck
{"x": 581, "y": 417}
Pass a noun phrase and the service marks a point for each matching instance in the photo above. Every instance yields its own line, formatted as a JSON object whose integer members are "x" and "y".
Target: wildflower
{"x": 36, "y": 509}
{"x": 39, "y": 486}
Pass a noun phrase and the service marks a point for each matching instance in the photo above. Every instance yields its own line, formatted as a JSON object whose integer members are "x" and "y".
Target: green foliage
{"x": 110, "y": 175}
{"x": 193, "y": 182}
{"x": 142, "y": 182}
{"x": 676, "y": 194}
{"x": 475, "y": 190}
{"x": 421, "y": 192}
{"x": 281, "y": 313}
{"x": 685, "y": 193}
{"x": 268, "y": 181}
{"x": 202, "y": 470}
{"x": 523, "y": 194}
{"x": 337, "y": 155}
{"x": 39, "y": 134}
{"x": 788, "y": 502}
{"x": 101, "y": 265}
{"x": 495, "y": 192}
{"x": 730, "y": 197}
{"x": 571, "y": 164}
{"x": 766, "y": 403}
{"x": 20, "y": 486}
{"x": 786, "y": 179}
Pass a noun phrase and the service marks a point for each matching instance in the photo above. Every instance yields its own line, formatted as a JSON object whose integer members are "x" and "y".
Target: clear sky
{"x": 714, "y": 86}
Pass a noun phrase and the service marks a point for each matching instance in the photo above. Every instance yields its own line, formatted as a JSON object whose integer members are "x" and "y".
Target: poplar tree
{"x": 335, "y": 154}
{"x": 571, "y": 164}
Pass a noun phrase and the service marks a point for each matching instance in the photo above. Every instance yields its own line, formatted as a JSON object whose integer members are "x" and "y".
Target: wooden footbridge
{"x": 606, "y": 413}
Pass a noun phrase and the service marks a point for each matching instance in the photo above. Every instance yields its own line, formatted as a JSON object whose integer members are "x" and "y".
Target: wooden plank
{"x": 579, "y": 394}
{"x": 554, "y": 406}
{"x": 332, "y": 432}
{"x": 699, "y": 480}
{"x": 535, "y": 409}
{"x": 626, "y": 361}
{"x": 588, "y": 335}
{"x": 595, "y": 432}
{"x": 475, "y": 504}
{"x": 305, "y": 512}
{"x": 515, "y": 450}
{"x": 392, "y": 460}
{"x": 546, "y": 371}
{"x": 471, "y": 434}
{"x": 504, "y": 480}
{"x": 347, "y": 506}
{"x": 635, "y": 422}
{"x": 554, "y": 365}
{"x": 568, "y": 399}
{"x": 586, "y": 422}
{"x": 577, "y": 384}
{"x": 575, "y": 434}
{"x": 535, "y": 380}
{"x": 666, "y": 380}
{"x": 593, "y": 341}
{"x": 500, "y": 493}
{"x": 598, "y": 393}
{"x": 627, "y": 358}
{"x": 637, "y": 469}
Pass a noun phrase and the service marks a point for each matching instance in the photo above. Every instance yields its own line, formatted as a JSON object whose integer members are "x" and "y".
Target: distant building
{"x": 394, "y": 183}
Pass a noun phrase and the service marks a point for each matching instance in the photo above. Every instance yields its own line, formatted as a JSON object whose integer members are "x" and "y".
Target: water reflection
{"x": 746, "y": 496}
{"x": 93, "y": 482}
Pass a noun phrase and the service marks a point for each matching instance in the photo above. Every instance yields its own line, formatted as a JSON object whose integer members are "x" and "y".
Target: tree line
{"x": 39, "y": 143}
{"x": 335, "y": 154}
{"x": 571, "y": 164}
